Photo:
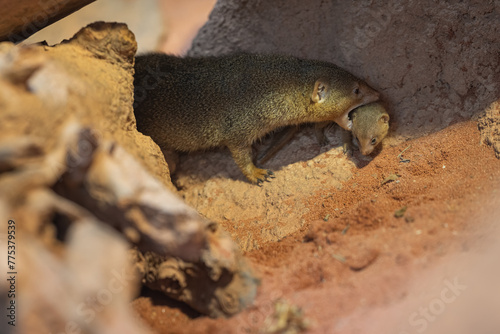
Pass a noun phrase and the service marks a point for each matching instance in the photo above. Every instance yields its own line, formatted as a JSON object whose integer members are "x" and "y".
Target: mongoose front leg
{"x": 284, "y": 136}
{"x": 281, "y": 139}
{"x": 319, "y": 131}
{"x": 242, "y": 155}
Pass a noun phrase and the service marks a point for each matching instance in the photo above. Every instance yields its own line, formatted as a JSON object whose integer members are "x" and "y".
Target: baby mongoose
{"x": 189, "y": 104}
{"x": 370, "y": 124}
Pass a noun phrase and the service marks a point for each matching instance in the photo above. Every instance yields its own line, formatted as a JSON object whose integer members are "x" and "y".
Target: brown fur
{"x": 370, "y": 121}
{"x": 370, "y": 124}
{"x": 189, "y": 104}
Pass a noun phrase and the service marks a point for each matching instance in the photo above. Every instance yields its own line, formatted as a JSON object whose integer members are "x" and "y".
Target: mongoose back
{"x": 189, "y": 104}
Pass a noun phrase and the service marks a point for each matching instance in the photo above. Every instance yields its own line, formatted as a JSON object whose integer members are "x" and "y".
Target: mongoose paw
{"x": 261, "y": 175}
{"x": 346, "y": 148}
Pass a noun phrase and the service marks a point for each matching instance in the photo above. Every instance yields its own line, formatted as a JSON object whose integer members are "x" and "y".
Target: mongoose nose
{"x": 366, "y": 152}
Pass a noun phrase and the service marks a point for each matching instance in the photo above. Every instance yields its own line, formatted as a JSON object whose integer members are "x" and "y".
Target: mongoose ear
{"x": 320, "y": 91}
{"x": 384, "y": 118}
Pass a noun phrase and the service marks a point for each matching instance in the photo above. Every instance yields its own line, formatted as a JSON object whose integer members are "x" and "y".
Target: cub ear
{"x": 384, "y": 118}
{"x": 320, "y": 91}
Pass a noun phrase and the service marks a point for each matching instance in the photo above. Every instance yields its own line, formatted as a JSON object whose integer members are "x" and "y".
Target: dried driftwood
{"x": 22, "y": 18}
{"x": 86, "y": 189}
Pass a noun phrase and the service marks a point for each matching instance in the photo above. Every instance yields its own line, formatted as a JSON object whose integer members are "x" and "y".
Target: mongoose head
{"x": 370, "y": 124}
{"x": 340, "y": 95}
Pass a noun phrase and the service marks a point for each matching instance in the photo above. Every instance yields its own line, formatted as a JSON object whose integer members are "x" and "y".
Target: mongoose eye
{"x": 374, "y": 141}
{"x": 356, "y": 91}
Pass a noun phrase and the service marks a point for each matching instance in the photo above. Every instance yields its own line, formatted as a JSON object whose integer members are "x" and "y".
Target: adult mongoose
{"x": 189, "y": 104}
{"x": 370, "y": 124}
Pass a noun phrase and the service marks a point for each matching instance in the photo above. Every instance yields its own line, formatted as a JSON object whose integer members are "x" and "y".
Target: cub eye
{"x": 374, "y": 141}
{"x": 356, "y": 91}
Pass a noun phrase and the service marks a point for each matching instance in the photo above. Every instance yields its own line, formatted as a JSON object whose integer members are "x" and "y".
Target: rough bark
{"x": 23, "y": 18}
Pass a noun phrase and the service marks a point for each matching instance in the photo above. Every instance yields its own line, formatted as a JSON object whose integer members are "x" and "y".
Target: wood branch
{"x": 23, "y": 18}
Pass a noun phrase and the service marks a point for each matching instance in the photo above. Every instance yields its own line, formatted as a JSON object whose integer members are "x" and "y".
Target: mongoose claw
{"x": 261, "y": 175}
{"x": 269, "y": 175}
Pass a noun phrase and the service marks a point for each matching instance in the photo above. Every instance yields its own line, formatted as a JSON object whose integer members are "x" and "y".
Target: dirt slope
{"x": 351, "y": 255}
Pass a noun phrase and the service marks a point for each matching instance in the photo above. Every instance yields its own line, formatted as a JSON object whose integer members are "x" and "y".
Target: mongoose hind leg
{"x": 242, "y": 155}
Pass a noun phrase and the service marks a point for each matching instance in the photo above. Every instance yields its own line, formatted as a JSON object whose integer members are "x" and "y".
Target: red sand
{"x": 353, "y": 254}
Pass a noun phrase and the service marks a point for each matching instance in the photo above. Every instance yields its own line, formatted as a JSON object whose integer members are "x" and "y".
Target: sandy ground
{"x": 351, "y": 255}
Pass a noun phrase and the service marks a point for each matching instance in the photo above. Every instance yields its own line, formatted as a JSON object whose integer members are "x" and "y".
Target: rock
{"x": 489, "y": 125}
{"x": 433, "y": 63}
